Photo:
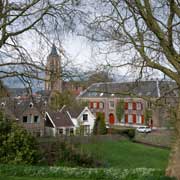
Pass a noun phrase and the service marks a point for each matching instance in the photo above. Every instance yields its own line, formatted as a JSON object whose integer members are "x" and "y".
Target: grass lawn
{"x": 126, "y": 154}
{"x": 2, "y": 177}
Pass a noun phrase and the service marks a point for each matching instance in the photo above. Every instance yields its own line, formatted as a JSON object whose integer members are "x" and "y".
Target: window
{"x": 2, "y": 104}
{"x": 67, "y": 131}
{"x": 138, "y": 105}
{"x": 36, "y": 119}
{"x": 60, "y": 131}
{"x": 71, "y": 131}
{"x": 95, "y": 105}
{"x": 130, "y": 105}
{"x": 30, "y": 119}
{"x": 130, "y": 119}
{"x": 31, "y": 105}
{"x": 138, "y": 119}
{"x": 85, "y": 117}
{"x": 86, "y": 129}
{"x": 25, "y": 119}
{"x": 111, "y": 104}
{"x": 101, "y": 105}
{"x": 149, "y": 105}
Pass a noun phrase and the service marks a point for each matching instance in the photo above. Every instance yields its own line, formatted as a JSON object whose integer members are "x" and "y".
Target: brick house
{"x": 27, "y": 113}
{"x": 137, "y": 98}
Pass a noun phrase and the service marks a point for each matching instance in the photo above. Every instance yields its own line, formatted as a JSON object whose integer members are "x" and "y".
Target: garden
{"x": 22, "y": 157}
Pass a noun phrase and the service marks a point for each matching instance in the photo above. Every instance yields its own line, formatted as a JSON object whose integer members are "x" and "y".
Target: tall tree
{"x": 149, "y": 32}
{"x": 99, "y": 76}
{"x": 99, "y": 125}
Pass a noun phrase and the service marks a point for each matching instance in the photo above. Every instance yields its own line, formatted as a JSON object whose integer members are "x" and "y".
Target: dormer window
{"x": 2, "y": 104}
{"x": 85, "y": 117}
{"x": 31, "y": 105}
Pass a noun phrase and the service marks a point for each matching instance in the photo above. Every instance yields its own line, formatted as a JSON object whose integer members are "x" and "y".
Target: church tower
{"x": 53, "y": 71}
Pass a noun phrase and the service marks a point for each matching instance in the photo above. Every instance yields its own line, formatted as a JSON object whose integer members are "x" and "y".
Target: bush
{"x": 99, "y": 125}
{"x": 69, "y": 155}
{"x": 16, "y": 144}
{"x": 128, "y": 132}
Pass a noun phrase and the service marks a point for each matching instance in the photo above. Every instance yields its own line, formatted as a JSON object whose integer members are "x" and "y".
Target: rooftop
{"x": 139, "y": 88}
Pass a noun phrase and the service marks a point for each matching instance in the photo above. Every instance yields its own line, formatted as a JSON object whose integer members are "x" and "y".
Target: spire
{"x": 53, "y": 50}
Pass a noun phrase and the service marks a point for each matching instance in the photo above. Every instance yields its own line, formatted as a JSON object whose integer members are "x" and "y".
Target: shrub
{"x": 129, "y": 132}
{"x": 99, "y": 125}
{"x": 69, "y": 155}
{"x": 16, "y": 144}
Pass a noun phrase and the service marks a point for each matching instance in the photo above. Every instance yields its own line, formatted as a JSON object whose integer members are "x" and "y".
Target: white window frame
{"x": 138, "y": 119}
{"x": 138, "y": 105}
{"x": 83, "y": 117}
{"x": 101, "y": 105}
{"x": 61, "y": 129}
{"x": 130, "y": 118}
{"x": 130, "y": 105}
{"x": 111, "y": 105}
{"x": 94, "y": 105}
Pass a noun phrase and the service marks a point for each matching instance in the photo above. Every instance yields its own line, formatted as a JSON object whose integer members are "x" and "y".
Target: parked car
{"x": 144, "y": 129}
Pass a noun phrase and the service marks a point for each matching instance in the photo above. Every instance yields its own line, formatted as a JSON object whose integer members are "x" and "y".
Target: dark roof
{"x": 61, "y": 119}
{"x": 18, "y": 91}
{"x": 122, "y": 89}
{"x": 54, "y": 51}
{"x": 74, "y": 111}
{"x": 15, "y": 108}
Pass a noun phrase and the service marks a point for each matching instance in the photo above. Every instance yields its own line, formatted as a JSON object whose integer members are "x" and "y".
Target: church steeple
{"x": 53, "y": 51}
{"x": 53, "y": 73}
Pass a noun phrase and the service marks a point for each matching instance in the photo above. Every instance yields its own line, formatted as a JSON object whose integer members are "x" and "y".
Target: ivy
{"x": 120, "y": 110}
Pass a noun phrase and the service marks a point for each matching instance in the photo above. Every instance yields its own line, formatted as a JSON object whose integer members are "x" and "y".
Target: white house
{"x": 69, "y": 122}
{"x": 86, "y": 120}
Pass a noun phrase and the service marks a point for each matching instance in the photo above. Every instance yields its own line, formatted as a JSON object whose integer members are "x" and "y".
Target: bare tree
{"x": 21, "y": 19}
{"x": 149, "y": 31}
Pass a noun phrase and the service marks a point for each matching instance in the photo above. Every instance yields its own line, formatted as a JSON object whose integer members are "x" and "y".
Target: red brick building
{"x": 137, "y": 98}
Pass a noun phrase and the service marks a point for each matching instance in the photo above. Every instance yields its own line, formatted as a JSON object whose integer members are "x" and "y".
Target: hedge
{"x": 84, "y": 173}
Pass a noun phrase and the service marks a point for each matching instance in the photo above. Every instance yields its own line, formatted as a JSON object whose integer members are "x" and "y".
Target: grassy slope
{"x": 125, "y": 154}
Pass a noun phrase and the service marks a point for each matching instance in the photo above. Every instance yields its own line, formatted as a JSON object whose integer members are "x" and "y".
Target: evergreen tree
{"x": 99, "y": 125}
{"x": 120, "y": 110}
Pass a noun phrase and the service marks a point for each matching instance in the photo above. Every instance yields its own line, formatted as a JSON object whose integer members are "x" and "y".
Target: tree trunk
{"x": 173, "y": 169}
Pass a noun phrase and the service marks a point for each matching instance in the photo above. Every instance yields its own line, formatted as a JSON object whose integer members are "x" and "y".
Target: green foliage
{"x": 147, "y": 115}
{"x": 58, "y": 100}
{"x": 100, "y": 125}
{"x": 69, "y": 155}
{"x": 33, "y": 172}
{"x": 16, "y": 145}
{"x": 120, "y": 110}
{"x": 172, "y": 117}
{"x": 129, "y": 132}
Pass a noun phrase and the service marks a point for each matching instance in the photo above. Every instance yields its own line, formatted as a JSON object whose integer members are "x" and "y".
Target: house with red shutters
{"x": 137, "y": 98}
